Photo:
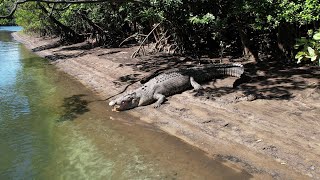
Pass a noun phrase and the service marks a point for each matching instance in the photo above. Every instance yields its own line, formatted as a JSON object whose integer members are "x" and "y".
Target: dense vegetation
{"x": 281, "y": 29}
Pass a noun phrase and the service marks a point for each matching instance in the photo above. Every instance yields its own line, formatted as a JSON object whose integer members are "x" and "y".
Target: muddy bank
{"x": 274, "y": 136}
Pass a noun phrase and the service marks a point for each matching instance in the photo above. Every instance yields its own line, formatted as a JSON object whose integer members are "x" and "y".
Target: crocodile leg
{"x": 160, "y": 99}
{"x": 194, "y": 84}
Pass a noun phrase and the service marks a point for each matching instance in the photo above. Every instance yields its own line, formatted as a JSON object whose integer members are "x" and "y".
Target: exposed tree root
{"x": 161, "y": 44}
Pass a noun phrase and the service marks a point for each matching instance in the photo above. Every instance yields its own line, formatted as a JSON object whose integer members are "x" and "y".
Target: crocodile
{"x": 172, "y": 82}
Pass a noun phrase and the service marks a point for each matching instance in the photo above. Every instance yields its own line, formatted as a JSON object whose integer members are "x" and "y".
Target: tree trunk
{"x": 286, "y": 38}
{"x": 248, "y": 52}
{"x": 98, "y": 31}
{"x": 69, "y": 34}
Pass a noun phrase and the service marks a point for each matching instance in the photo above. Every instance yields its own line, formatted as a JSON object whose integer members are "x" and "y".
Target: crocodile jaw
{"x": 124, "y": 103}
{"x": 115, "y": 108}
{"x": 124, "y": 106}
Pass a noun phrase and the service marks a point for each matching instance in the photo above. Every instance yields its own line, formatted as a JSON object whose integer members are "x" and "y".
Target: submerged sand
{"x": 274, "y": 135}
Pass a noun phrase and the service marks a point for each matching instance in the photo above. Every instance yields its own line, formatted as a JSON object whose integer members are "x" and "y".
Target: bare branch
{"x": 145, "y": 39}
{"x": 132, "y": 36}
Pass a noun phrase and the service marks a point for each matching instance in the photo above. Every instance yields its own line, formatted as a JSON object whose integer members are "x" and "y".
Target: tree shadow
{"x": 126, "y": 79}
{"x": 48, "y": 46}
{"x": 79, "y": 46}
{"x": 58, "y": 56}
{"x": 163, "y": 62}
{"x": 73, "y": 107}
{"x": 277, "y": 81}
{"x": 108, "y": 53}
{"x": 69, "y": 46}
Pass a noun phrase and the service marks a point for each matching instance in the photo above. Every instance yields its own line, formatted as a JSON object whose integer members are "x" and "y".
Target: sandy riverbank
{"x": 275, "y": 136}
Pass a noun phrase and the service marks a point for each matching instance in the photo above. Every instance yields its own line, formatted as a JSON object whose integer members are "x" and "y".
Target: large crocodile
{"x": 172, "y": 82}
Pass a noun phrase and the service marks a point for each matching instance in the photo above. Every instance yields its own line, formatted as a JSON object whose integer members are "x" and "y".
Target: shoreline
{"x": 232, "y": 132}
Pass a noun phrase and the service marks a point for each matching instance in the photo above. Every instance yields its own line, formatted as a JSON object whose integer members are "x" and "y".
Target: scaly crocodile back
{"x": 235, "y": 70}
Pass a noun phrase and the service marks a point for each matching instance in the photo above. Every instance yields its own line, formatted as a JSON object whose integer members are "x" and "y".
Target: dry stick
{"x": 144, "y": 40}
{"x": 166, "y": 41}
{"x": 126, "y": 39}
{"x": 175, "y": 49}
{"x": 142, "y": 51}
{"x": 155, "y": 35}
{"x": 159, "y": 41}
{"x": 132, "y": 36}
{"x": 169, "y": 48}
{"x": 163, "y": 45}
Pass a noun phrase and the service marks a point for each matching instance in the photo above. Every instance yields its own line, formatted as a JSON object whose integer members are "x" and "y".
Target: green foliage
{"x": 300, "y": 12}
{"x": 205, "y": 19}
{"x": 32, "y": 19}
{"x": 5, "y": 6}
{"x": 309, "y": 47}
{"x": 197, "y": 27}
{"x": 5, "y": 22}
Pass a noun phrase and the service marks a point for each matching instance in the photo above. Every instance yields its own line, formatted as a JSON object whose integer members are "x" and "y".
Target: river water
{"x": 51, "y": 127}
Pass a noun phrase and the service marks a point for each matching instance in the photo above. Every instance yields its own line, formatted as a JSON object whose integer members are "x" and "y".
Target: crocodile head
{"x": 125, "y": 102}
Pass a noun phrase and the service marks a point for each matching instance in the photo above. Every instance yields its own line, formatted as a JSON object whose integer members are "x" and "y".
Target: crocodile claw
{"x": 156, "y": 105}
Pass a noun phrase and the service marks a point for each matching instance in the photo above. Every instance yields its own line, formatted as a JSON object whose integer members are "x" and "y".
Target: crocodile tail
{"x": 214, "y": 70}
{"x": 234, "y": 69}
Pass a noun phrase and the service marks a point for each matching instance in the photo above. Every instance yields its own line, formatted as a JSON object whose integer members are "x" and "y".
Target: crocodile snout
{"x": 112, "y": 103}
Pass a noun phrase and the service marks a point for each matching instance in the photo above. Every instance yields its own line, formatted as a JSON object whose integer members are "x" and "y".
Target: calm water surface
{"x": 51, "y": 127}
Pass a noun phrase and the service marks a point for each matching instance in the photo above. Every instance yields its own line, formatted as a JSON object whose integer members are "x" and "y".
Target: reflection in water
{"x": 73, "y": 107}
{"x": 51, "y": 127}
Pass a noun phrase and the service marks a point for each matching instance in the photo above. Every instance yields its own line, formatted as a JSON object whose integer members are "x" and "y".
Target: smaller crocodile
{"x": 172, "y": 82}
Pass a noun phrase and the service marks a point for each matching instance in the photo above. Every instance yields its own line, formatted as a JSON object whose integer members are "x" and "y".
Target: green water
{"x": 51, "y": 127}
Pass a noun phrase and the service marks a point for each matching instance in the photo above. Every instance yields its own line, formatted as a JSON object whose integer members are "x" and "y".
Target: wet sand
{"x": 275, "y": 136}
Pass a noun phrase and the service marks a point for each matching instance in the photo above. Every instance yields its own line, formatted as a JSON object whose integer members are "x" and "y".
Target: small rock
{"x": 251, "y": 97}
{"x": 310, "y": 175}
{"x": 312, "y": 168}
{"x": 261, "y": 73}
{"x": 182, "y": 58}
{"x": 139, "y": 66}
